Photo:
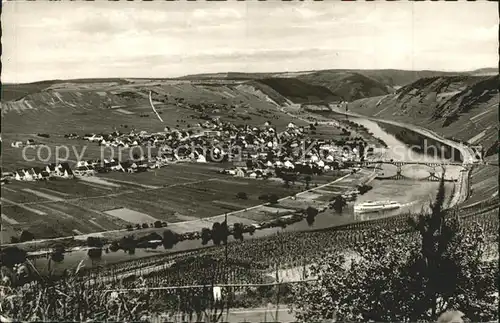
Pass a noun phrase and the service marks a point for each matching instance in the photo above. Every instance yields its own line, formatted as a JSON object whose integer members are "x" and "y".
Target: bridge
{"x": 399, "y": 164}
{"x": 399, "y": 176}
{"x": 402, "y": 163}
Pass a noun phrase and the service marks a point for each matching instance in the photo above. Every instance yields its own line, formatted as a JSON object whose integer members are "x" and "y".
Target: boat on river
{"x": 376, "y": 206}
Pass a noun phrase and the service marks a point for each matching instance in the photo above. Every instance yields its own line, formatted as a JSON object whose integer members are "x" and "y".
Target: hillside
{"x": 349, "y": 86}
{"x": 298, "y": 91}
{"x": 459, "y": 107}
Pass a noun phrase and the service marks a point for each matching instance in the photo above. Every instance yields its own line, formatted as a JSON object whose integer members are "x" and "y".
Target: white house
{"x": 82, "y": 163}
{"x": 17, "y": 144}
{"x": 288, "y": 164}
{"x": 19, "y": 175}
{"x": 27, "y": 175}
{"x": 96, "y": 138}
{"x": 240, "y": 172}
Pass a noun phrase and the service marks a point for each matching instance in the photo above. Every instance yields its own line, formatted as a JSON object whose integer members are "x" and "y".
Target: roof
{"x": 37, "y": 170}
{"x": 65, "y": 167}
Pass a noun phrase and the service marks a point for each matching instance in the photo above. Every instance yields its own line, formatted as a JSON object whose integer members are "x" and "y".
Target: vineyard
{"x": 251, "y": 268}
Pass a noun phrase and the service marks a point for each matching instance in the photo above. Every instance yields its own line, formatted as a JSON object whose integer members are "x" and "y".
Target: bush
{"x": 26, "y": 236}
{"x": 145, "y": 226}
{"x": 242, "y": 196}
{"x": 206, "y": 236}
{"x": 238, "y": 231}
{"x": 11, "y": 256}
{"x": 95, "y": 253}
{"x": 157, "y": 224}
{"x": 311, "y": 213}
{"x": 273, "y": 199}
{"x": 264, "y": 197}
{"x": 58, "y": 253}
{"x": 114, "y": 247}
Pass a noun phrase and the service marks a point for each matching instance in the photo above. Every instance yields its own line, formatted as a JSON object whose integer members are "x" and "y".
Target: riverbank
{"x": 318, "y": 197}
{"x": 461, "y": 191}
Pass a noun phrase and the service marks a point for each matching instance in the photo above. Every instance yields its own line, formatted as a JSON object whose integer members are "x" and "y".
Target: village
{"x": 245, "y": 151}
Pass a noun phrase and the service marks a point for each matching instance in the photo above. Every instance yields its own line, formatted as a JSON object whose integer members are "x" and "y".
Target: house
{"x": 82, "y": 163}
{"x": 113, "y": 165}
{"x": 125, "y": 167}
{"x": 85, "y": 171}
{"x": 37, "y": 173}
{"x": 64, "y": 171}
{"x": 28, "y": 175}
{"x": 240, "y": 172}
{"x": 19, "y": 175}
{"x": 45, "y": 175}
{"x": 97, "y": 138}
{"x": 201, "y": 159}
{"x": 17, "y": 144}
{"x": 51, "y": 168}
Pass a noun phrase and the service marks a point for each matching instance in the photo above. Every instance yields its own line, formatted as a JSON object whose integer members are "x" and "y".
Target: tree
{"x": 273, "y": 199}
{"x": 338, "y": 203}
{"x": 264, "y": 197}
{"x": 216, "y": 233}
{"x": 169, "y": 239}
{"x": 224, "y": 232}
{"x": 157, "y": 224}
{"x": 145, "y": 226}
{"x": 308, "y": 181}
{"x": 57, "y": 254}
{"x": 95, "y": 242}
{"x": 94, "y": 253}
{"x": 11, "y": 256}
{"x": 311, "y": 213}
{"x": 206, "y": 235}
{"x": 127, "y": 243}
{"x": 114, "y": 246}
{"x": 436, "y": 266}
{"x": 238, "y": 231}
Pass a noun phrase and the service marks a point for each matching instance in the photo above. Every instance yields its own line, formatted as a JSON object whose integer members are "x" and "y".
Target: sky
{"x": 63, "y": 40}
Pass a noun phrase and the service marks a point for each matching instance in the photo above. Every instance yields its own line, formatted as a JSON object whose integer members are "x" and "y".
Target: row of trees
{"x": 156, "y": 224}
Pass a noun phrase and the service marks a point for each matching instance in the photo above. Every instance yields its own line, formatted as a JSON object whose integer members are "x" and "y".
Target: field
{"x": 177, "y": 193}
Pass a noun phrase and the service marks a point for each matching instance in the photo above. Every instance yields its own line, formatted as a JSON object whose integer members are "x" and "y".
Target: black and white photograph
{"x": 249, "y": 161}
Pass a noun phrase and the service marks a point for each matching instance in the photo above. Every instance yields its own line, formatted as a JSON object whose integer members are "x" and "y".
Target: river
{"x": 413, "y": 194}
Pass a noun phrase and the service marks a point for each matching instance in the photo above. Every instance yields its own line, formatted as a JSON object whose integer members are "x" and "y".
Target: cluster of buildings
{"x": 256, "y": 152}
{"x": 61, "y": 170}
{"x": 142, "y": 164}
{"x": 20, "y": 144}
